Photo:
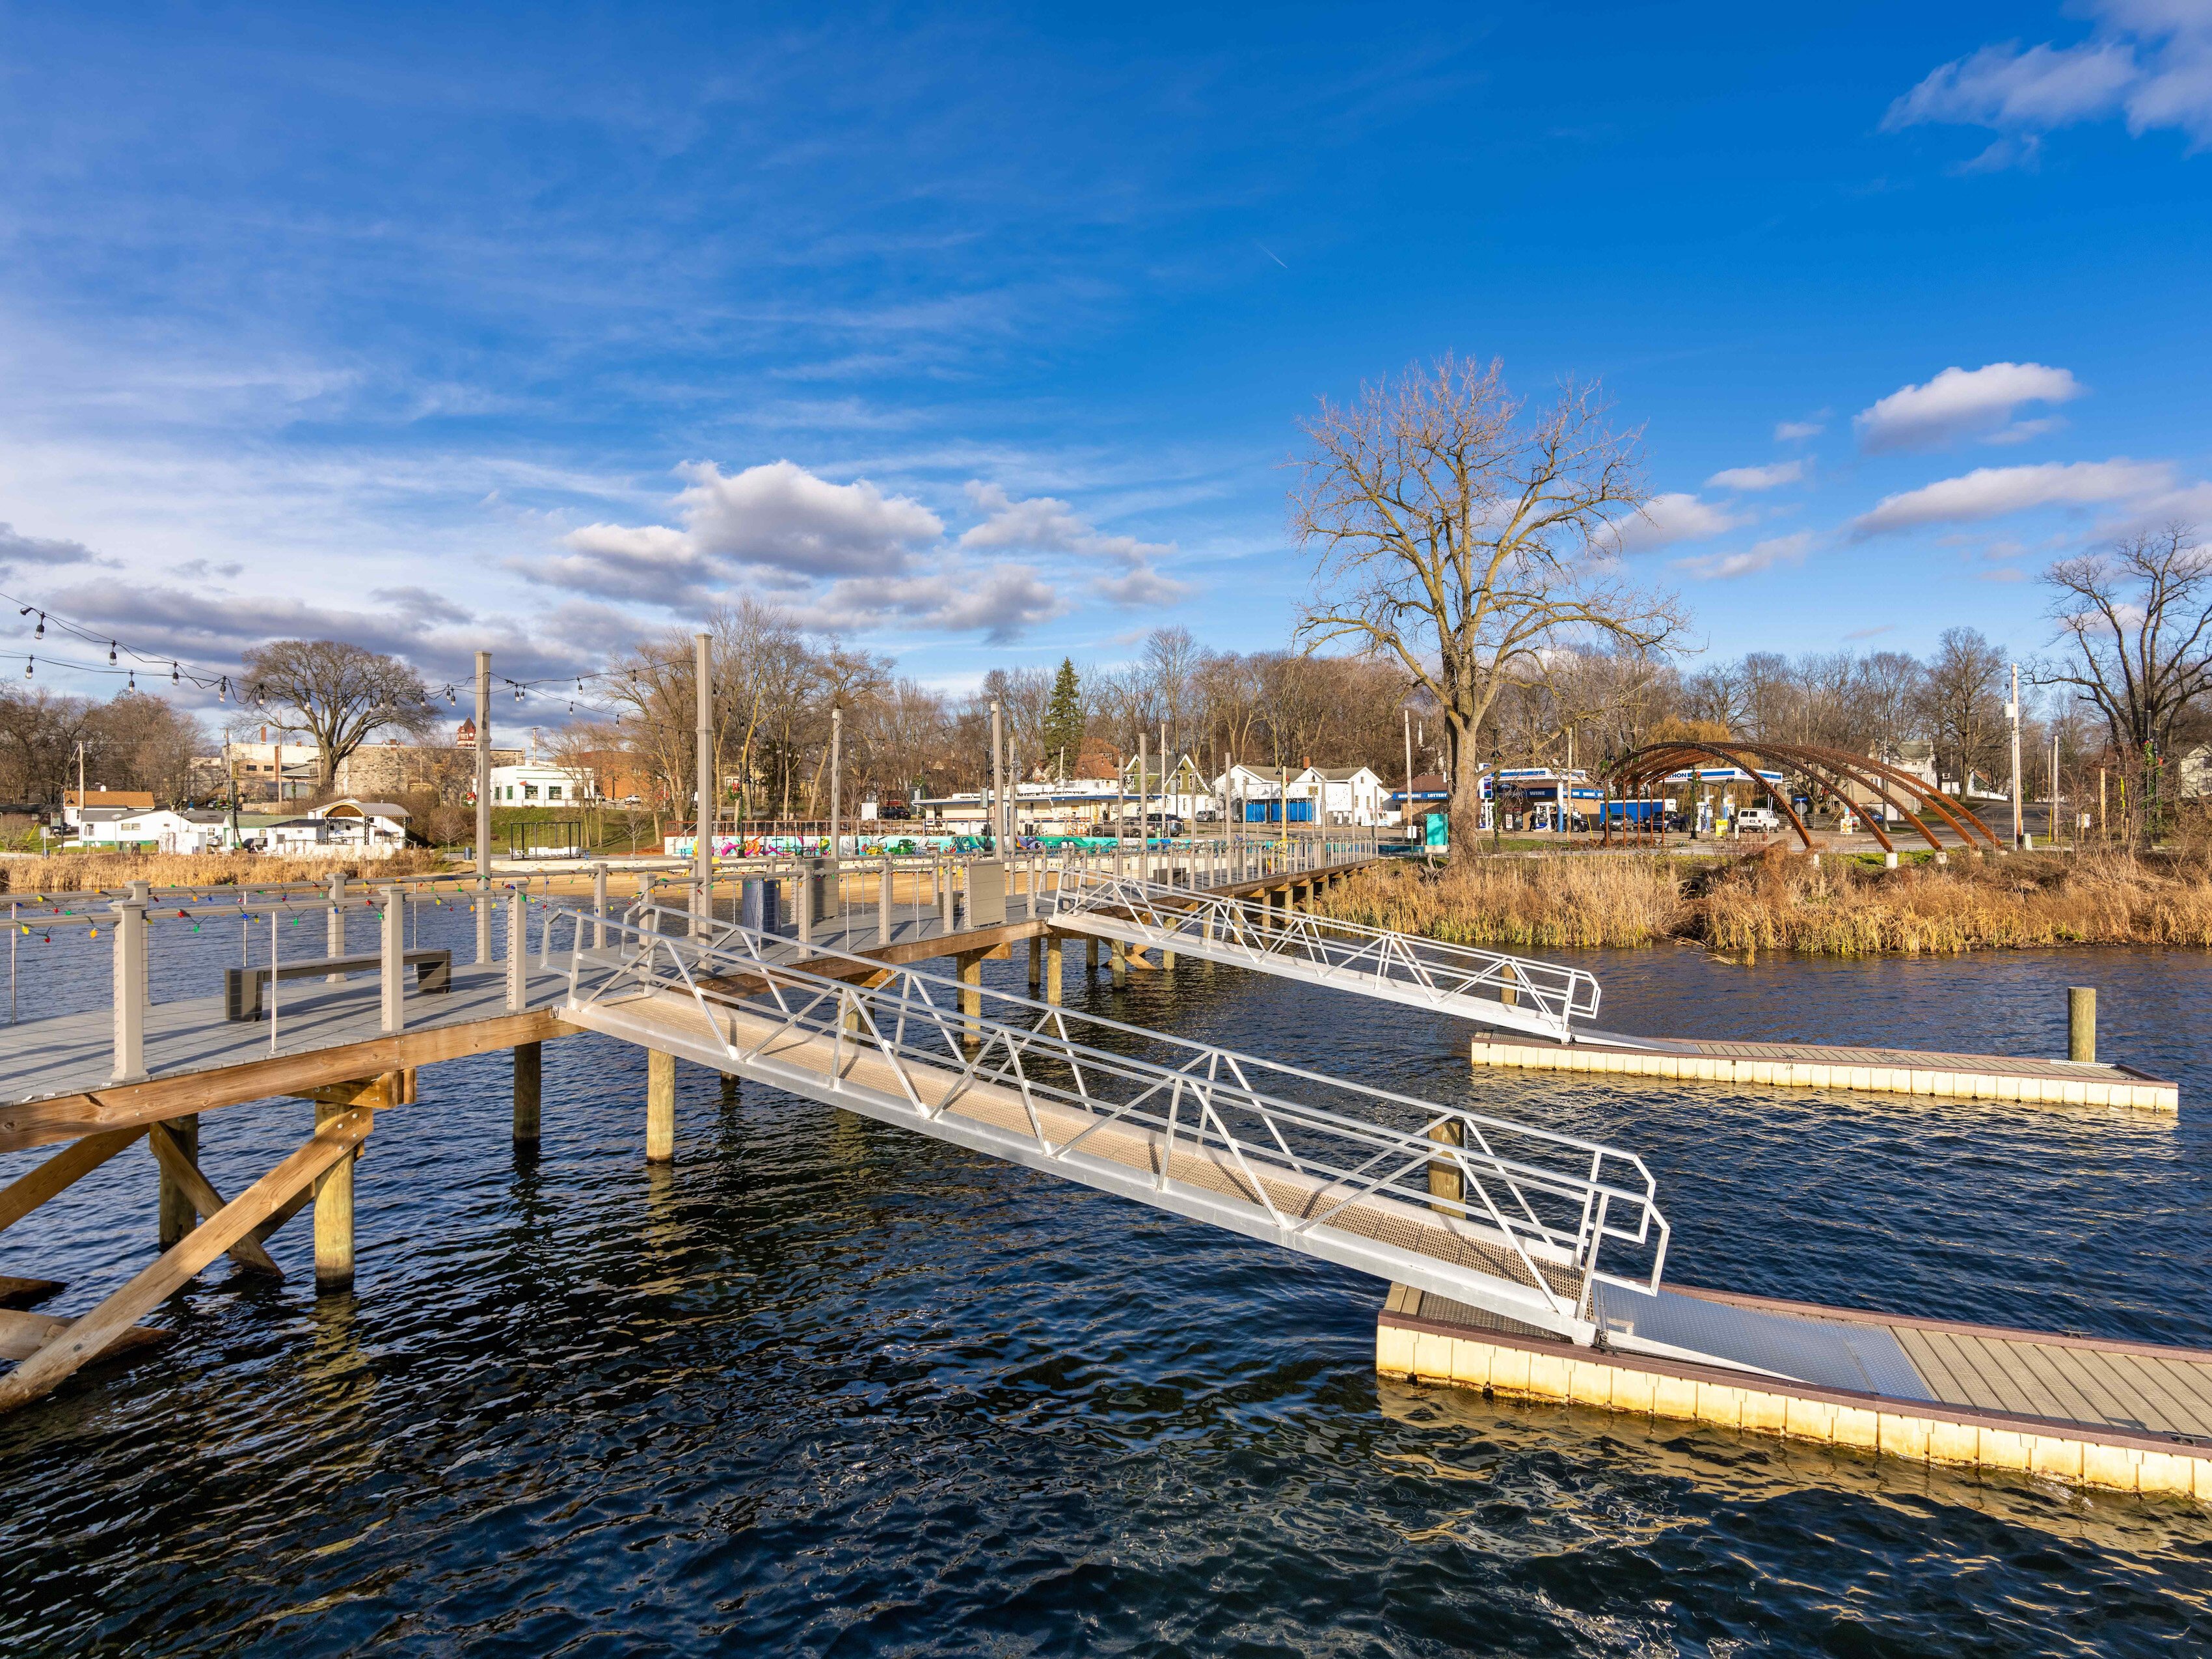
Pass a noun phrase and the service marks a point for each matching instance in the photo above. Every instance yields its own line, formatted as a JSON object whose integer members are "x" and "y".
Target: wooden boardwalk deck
{"x": 1828, "y": 1066}
{"x": 2121, "y": 1415}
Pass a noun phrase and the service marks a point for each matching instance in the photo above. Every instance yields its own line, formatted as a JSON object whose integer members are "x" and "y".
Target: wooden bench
{"x": 242, "y": 986}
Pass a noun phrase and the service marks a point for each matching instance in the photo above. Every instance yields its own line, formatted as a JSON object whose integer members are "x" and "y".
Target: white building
{"x": 160, "y": 829}
{"x": 534, "y": 784}
{"x": 376, "y": 828}
{"x": 1345, "y": 795}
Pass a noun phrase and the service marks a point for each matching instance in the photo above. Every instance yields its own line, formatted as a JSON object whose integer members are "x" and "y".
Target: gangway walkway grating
{"x": 1521, "y": 993}
{"x": 1522, "y": 1221}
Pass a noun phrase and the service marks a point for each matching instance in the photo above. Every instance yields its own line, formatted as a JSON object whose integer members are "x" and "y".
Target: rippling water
{"x": 825, "y": 1386}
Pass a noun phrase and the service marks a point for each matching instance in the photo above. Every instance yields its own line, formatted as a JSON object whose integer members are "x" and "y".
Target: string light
{"x": 27, "y": 663}
{"x": 111, "y": 651}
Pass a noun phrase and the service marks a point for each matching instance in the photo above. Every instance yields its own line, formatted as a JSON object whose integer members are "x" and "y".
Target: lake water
{"x": 828, "y": 1387}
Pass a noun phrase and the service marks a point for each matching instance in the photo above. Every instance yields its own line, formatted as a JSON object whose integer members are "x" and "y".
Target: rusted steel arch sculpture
{"x": 1642, "y": 766}
{"x": 1826, "y": 767}
{"x": 1961, "y": 817}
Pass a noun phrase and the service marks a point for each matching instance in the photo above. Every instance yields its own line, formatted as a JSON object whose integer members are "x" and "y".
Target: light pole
{"x": 2012, "y": 712}
{"x": 483, "y": 807}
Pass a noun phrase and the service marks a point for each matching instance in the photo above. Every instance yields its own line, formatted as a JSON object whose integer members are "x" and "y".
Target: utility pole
{"x": 483, "y": 807}
{"x": 2054, "y": 789}
{"x": 1406, "y": 817}
{"x": 836, "y": 788}
{"x": 997, "y": 784}
{"x": 2012, "y": 710}
{"x": 703, "y": 849}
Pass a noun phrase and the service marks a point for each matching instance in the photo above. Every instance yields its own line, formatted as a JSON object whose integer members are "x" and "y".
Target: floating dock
{"x": 1822, "y": 1065}
{"x": 2126, "y": 1415}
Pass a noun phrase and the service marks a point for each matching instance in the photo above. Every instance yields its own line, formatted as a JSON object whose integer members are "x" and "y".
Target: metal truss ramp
{"x": 1522, "y": 1222}
{"x": 1515, "y": 993}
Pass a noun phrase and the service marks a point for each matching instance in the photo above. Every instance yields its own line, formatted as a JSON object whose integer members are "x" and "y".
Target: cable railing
{"x": 1523, "y": 993}
{"x": 1501, "y": 1215}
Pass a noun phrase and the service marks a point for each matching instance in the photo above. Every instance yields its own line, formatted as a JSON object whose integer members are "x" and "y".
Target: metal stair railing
{"x": 1320, "y": 1165}
{"x": 1547, "y": 997}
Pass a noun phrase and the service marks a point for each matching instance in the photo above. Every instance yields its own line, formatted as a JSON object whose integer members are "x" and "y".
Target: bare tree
{"x": 2138, "y": 613}
{"x": 1961, "y": 705}
{"x": 340, "y": 695}
{"x": 1463, "y": 541}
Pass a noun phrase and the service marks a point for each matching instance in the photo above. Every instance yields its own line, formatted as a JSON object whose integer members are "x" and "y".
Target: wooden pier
{"x": 2126, "y": 1415}
{"x": 1824, "y": 1065}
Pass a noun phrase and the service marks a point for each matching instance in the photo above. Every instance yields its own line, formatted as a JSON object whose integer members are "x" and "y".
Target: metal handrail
{"x": 1425, "y": 969}
{"x": 1540, "y": 1207}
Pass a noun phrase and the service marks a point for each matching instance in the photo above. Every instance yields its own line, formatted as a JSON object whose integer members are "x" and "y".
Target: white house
{"x": 534, "y": 784}
{"x": 1344, "y": 794}
{"x": 157, "y": 828}
{"x": 377, "y": 828}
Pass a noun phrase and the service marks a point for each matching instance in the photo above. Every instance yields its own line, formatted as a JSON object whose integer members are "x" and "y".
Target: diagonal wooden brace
{"x": 178, "y": 1163}
{"x": 86, "y": 1338}
{"x": 60, "y": 1172}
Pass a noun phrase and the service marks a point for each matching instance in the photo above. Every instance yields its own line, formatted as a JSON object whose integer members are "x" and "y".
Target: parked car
{"x": 1756, "y": 820}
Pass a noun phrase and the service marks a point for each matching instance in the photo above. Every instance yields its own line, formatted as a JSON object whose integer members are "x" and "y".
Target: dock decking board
{"x": 1828, "y": 1066}
{"x": 2096, "y": 1412}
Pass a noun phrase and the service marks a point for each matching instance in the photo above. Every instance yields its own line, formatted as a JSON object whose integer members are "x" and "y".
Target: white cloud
{"x": 782, "y": 516}
{"x": 2148, "y": 60}
{"x": 1964, "y": 403}
{"x": 1044, "y": 525}
{"x": 1991, "y": 492}
{"x": 1002, "y": 601}
{"x": 1757, "y": 477}
{"x": 1760, "y": 556}
{"x": 1670, "y": 518}
{"x": 1796, "y": 431}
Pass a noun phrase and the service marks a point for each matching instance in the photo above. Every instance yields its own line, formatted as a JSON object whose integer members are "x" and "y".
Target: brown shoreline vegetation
{"x": 87, "y": 873}
{"x": 1776, "y": 901}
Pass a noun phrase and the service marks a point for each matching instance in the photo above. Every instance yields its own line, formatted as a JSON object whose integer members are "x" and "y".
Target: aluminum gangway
{"x": 1521, "y": 1222}
{"x": 1521, "y": 993}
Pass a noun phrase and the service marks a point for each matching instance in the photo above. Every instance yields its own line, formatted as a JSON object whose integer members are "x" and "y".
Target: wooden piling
{"x": 334, "y": 1212}
{"x": 660, "y": 1106}
{"x": 1054, "y": 950}
{"x": 970, "y": 970}
{"x": 1037, "y": 962}
{"x": 1118, "y": 961}
{"x": 177, "y": 1216}
{"x": 529, "y": 1063}
{"x": 2081, "y": 1022}
{"x": 1445, "y": 1181}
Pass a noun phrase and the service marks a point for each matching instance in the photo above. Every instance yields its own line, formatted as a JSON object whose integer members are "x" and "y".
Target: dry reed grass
{"x": 84, "y": 872}
{"x": 1775, "y": 901}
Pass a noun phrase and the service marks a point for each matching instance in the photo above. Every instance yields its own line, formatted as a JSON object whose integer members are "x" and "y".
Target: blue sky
{"x": 981, "y": 334}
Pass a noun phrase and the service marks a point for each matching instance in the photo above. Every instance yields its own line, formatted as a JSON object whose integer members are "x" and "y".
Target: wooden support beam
{"x": 182, "y": 1170}
{"x": 65, "y": 1117}
{"x": 87, "y": 1337}
{"x": 59, "y": 1173}
{"x": 22, "y": 1292}
{"x": 22, "y": 1334}
{"x": 178, "y": 1212}
{"x": 383, "y": 1091}
{"x": 660, "y": 1106}
{"x": 529, "y": 1076}
{"x": 333, "y": 1191}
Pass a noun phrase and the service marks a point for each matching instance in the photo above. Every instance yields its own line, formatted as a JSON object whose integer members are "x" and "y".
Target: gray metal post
{"x": 483, "y": 807}
{"x": 2081, "y": 1021}
{"x": 884, "y": 905}
{"x": 394, "y": 965}
{"x": 518, "y": 952}
{"x": 129, "y": 1058}
{"x": 702, "y": 850}
{"x": 334, "y": 927}
{"x": 836, "y": 808}
{"x": 997, "y": 786}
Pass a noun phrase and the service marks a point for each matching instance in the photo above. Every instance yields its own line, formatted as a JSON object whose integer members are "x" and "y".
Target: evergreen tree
{"x": 1063, "y": 722}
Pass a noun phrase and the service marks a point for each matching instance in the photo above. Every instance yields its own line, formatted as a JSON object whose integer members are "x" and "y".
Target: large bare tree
{"x": 340, "y": 695}
{"x": 1961, "y": 705}
{"x": 2138, "y": 613}
{"x": 1464, "y": 534}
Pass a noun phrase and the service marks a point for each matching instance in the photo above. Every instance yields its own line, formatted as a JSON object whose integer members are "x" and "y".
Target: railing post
{"x": 599, "y": 906}
{"x": 518, "y": 951}
{"x": 884, "y": 905}
{"x": 334, "y": 927}
{"x": 394, "y": 965}
{"x": 129, "y": 926}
